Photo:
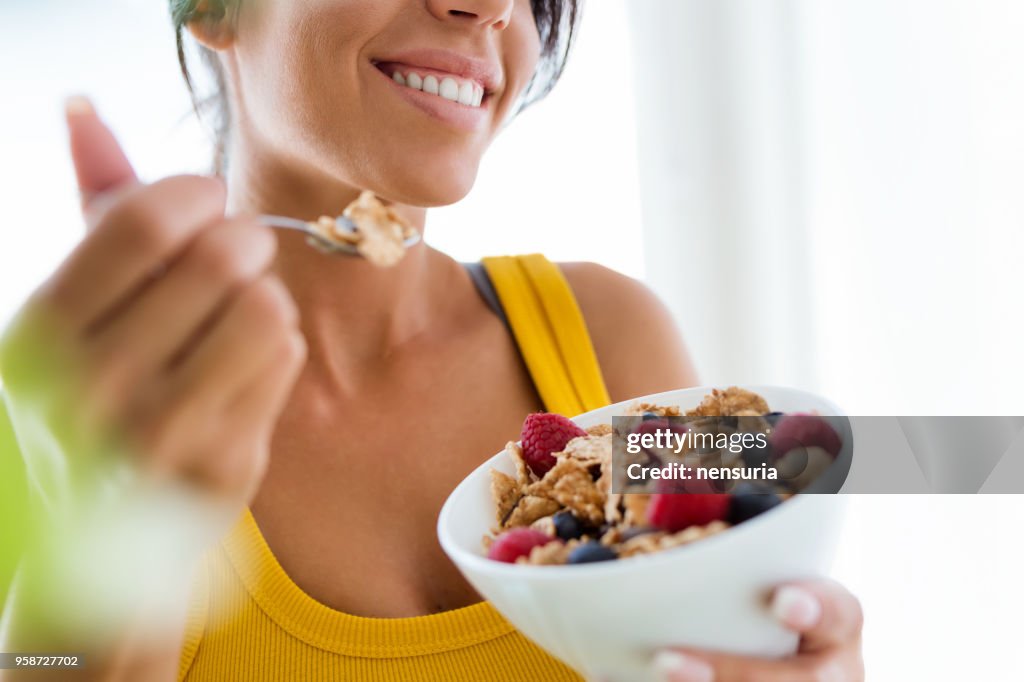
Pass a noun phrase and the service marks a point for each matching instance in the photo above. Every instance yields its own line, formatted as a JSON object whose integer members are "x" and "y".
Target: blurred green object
{"x": 15, "y": 513}
{"x": 93, "y": 535}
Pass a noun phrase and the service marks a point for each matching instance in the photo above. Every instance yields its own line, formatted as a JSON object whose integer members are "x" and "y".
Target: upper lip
{"x": 485, "y": 72}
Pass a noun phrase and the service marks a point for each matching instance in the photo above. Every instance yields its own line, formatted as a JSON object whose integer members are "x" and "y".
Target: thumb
{"x": 100, "y": 164}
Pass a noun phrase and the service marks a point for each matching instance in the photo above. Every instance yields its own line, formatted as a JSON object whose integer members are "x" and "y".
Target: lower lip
{"x": 459, "y": 116}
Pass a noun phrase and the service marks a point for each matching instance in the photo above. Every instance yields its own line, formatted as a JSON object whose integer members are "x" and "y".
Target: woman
{"x": 338, "y": 401}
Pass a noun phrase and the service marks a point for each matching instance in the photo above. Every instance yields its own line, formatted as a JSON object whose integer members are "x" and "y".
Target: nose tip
{"x": 490, "y": 13}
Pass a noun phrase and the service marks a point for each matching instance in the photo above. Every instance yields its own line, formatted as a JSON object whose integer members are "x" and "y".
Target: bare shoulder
{"x": 638, "y": 344}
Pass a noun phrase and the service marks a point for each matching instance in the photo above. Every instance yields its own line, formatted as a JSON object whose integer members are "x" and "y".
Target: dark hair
{"x": 557, "y": 23}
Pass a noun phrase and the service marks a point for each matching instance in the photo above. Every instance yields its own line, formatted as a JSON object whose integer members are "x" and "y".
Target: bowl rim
{"x": 476, "y": 562}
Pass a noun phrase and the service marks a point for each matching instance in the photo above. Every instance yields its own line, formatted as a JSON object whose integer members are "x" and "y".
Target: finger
{"x": 255, "y": 410}
{"x": 236, "y": 348}
{"x": 258, "y": 405}
{"x": 183, "y": 413}
{"x": 145, "y": 230}
{"x": 688, "y": 666}
{"x": 168, "y": 314}
{"x": 100, "y": 164}
{"x": 823, "y": 611}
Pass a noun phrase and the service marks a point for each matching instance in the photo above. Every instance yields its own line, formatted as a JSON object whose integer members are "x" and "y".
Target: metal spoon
{"x": 322, "y": 242}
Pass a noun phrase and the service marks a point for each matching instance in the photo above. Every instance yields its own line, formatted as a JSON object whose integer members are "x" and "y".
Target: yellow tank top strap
{"x": 550, "y": 331}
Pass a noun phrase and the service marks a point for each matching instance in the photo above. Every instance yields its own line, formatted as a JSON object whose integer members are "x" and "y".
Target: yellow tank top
{"x": 249, "y": 621}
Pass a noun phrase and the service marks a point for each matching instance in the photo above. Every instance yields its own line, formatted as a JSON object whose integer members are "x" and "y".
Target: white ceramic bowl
{"x": 606, "y": 619}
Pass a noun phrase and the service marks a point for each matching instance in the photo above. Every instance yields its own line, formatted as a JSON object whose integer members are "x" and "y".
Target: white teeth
{"x": 467, "y": 93}
{"x": 450, "y": 89}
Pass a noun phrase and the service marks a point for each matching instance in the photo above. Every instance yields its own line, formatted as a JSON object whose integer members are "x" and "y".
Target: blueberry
{"x": 752, "y": 488}
{"x": 749, "y": 500}
{"x": 650, "y": 415}
{"x": 590, "y": 552}
{"x": 773, "y": 417}
{"x": 755, "y": 455}
{"x": 567, "y": 526}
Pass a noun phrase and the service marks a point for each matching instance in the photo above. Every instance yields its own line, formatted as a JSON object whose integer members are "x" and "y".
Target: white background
{"x": 831, "y": 199}
{"x": 832, "y": 194}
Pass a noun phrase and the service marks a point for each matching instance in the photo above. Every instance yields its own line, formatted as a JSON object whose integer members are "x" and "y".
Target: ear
{"x": 213, "y": 25}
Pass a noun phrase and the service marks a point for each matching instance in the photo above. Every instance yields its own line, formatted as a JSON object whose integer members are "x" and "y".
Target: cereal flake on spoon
{"x": 380, "y": 234}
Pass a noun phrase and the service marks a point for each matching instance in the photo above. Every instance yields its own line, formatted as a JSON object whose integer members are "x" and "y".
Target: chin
{"x": 428, "y": 185}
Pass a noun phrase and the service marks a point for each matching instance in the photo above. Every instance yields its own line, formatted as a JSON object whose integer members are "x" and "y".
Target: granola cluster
{"x": 381, "y": 232}
{"x": 559, "y": 507}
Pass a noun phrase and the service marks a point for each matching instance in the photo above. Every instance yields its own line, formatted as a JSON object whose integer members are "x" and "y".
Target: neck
{"x": 355, "y": 315}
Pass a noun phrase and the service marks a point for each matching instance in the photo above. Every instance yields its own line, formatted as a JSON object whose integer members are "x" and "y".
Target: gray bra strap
{"x": 483, "y": 285}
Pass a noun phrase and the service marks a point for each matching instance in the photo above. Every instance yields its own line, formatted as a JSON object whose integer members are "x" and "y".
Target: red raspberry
{"x": 804, "y": 431}
{"x": 674, "y": 513}
{"x": 543, "y": 434}
{"x": 515, "y": 543}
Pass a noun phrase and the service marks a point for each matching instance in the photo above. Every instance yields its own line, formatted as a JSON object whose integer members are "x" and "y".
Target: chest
{"x": 351, "y": 497}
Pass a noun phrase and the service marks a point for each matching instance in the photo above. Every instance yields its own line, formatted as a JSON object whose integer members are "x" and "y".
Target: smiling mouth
{"x": 464, "y": 91}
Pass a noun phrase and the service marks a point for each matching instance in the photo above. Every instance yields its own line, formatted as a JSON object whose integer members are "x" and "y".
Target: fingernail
{"x": 78, "y": 105}
{"x": 796, "y": 608}
{"x": 672, "y": 666}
